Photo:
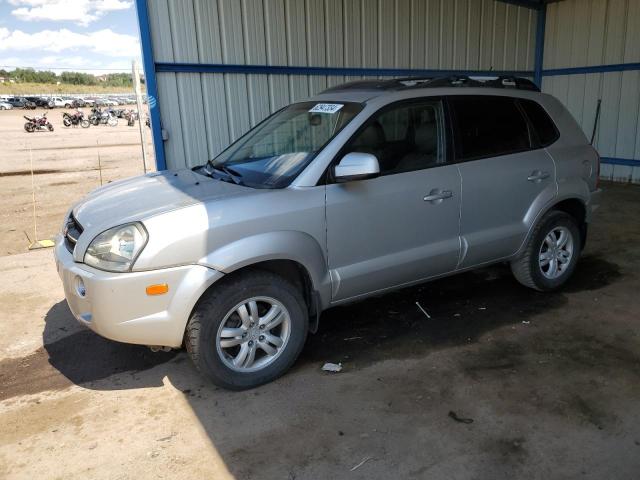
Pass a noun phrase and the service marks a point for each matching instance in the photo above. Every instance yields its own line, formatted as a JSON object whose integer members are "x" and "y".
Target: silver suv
{"x": 365, "y": 188}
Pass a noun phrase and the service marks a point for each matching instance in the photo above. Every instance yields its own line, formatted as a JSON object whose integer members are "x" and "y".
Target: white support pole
{"x": 136, "y": 86}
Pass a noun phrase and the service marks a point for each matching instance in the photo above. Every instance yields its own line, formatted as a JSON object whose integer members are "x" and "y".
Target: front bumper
{"x": 116, "y": 305}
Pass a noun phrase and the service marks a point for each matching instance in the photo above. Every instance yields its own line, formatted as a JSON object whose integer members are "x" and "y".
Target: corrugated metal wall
{"x": 599, "y": 32}
{"x": 204, "y": 112}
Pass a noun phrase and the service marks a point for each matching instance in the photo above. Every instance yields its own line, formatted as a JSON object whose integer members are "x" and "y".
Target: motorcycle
{"x": 130, "y": 116}
{"x": 37, "y": 123}
{"x": 103, "y": 117}
{"x": 75, "y": 119}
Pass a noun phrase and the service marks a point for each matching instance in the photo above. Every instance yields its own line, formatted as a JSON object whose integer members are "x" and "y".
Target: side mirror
{"x": 356, "y": 166}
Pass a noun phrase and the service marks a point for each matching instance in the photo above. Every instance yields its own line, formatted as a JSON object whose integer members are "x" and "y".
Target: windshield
{"x": 278, "y": 149}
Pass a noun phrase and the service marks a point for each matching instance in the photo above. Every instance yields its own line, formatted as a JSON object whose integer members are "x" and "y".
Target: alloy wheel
{"x": 253, "y": 334}
{"x": 556, "y": 252}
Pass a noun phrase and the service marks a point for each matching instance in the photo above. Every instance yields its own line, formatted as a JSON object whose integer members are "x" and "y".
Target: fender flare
{"x": 296, "y": 246}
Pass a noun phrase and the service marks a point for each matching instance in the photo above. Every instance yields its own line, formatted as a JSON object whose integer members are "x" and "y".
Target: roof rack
{"x": 471, "y": 81}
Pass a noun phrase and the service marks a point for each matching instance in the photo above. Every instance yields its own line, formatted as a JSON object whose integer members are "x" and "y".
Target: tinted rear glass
{"x": 488, "y": 126}
{"x": 543, "y": 126}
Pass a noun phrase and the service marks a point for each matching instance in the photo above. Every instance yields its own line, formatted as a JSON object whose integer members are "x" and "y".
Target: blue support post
{"x": 150, "y": 82}
{"x": 539, "y": 53}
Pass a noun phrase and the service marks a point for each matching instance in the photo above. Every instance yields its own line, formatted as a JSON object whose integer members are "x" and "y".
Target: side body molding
{"x": 279, "y": 245}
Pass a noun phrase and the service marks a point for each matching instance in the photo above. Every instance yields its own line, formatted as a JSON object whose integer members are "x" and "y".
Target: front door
{"x": 402, "y": 226}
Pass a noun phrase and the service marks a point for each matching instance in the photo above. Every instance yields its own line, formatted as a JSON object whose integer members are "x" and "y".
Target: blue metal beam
{"x": 541, "y": 22}
{"x": 346, "y": 71}
{"x": 615, "y": 67}
{"x": 150, "y": 82}
{"x": 620, "y": 161}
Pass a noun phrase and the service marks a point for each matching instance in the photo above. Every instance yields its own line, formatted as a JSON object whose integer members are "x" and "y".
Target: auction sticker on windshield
{"x": 326, "y": 108}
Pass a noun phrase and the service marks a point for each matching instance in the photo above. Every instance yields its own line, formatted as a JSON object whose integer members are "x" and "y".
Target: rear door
{"x": 505, "y": 178}
{"x": 403, "y": 225}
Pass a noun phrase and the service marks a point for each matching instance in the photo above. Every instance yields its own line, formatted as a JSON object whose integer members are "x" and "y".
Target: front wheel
{"x": 248, "y": 330}
{"x": 66, "y": 122}
{"x": 112, "y": 122}
{"x": 29, "y": 127}
{"x": 50, "y": 127}
{"x": 551, "y": 254}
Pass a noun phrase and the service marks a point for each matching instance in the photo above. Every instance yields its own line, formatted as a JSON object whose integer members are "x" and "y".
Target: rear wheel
{"x": 66, "y": 121}
{"x": 85, "y": 123}
{"x": 247, "y": 331}
{"x": 551, "y": 254}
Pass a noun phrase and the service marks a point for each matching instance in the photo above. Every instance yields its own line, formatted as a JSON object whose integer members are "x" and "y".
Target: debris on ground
{"x": 332, "y": 367}
{"x": 423, "y": 310}
{"x": 526, "y": 322}
{"x": 364, "y": 460}
{"x": 455, "y": 416}
{"x": 482, "y": 308}
{"x": 352, "y": 338}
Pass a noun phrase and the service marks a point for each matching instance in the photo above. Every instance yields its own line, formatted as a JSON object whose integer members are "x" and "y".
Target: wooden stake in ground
{"x": 99, "y": 160}
{"x": 36, "y": 243}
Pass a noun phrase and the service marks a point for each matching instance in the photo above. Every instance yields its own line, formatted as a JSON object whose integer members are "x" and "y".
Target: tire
{"x": 85, "y": 123}
{"x": 535, "y": 267}
{"x": 50, "y": 127}
{"x": 95, "y": 121}
{"x": 29, "y": 127}
{"x": 112, "y": 122}
{"x": 219, "y": 306}
{"x": 66, "y": 122}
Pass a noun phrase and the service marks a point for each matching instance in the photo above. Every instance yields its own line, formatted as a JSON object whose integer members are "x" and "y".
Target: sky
{"x": 95, "y": 36}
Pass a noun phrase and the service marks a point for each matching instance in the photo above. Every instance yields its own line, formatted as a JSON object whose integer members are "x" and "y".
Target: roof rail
{"x": 499, "y": 81}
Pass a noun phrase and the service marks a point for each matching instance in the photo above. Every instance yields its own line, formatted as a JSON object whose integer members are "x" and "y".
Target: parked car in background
{"x": 365, "y": 188}
{"x": 5, "y": 105}
{"x": 21, "y": 102}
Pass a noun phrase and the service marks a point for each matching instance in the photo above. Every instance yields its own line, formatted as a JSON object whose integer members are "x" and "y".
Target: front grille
{"x": 72, "y": 232}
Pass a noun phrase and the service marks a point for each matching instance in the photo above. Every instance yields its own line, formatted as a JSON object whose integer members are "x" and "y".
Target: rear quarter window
{"x": 544, "y": 129}
{"x": 488, "y": 126}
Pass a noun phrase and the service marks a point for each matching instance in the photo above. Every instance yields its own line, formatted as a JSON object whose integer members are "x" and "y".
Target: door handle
{"x": 537, "y": 176}
{"x": 436, "y": 195}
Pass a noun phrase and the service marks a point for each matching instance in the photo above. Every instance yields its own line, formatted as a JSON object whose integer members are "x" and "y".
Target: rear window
{"x": 488, "y": 126}
{"x": 544, "y": 129}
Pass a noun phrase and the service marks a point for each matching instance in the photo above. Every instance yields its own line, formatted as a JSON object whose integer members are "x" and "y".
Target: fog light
{"x": 80, "y": 288}
{"x": 159, "y": 289}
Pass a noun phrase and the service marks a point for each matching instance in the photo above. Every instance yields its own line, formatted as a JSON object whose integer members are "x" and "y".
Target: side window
{"x": 404, "y": 138}
{"x": 544, "y": 128}
{"x": 488, "y": 126}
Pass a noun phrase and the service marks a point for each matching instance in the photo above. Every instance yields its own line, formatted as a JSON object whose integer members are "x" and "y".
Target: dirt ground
{"x": 548, "y": 383}
{"x": 67, "y": 164}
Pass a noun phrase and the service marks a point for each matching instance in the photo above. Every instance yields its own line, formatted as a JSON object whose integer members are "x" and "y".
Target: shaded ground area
{"x": 548, "y": 383}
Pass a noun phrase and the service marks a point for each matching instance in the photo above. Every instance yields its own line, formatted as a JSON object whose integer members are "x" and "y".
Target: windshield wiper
{"x": 228, "y": 172}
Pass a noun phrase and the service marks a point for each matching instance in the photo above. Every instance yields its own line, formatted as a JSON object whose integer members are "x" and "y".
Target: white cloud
{"x": 82, "y": 12}
{"x": 103, "y": 42}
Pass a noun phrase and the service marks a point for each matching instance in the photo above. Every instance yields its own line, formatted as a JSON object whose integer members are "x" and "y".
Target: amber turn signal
{"x": 159, "y": 289}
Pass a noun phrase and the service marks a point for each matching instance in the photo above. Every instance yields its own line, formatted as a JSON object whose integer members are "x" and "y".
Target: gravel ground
{"x": 66, "y": 167}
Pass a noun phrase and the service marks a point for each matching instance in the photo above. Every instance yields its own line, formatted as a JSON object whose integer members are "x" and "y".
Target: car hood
{"x": 141, "y": 197}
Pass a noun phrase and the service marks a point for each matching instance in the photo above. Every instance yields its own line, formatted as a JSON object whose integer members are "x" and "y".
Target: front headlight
{"x": 116, "y": 249}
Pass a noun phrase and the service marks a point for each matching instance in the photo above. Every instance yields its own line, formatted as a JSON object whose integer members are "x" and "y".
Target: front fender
{"x": 280, "y": 245}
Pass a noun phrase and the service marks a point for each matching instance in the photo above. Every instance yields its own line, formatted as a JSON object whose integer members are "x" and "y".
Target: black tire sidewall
{"x": 553, "y": 220}
{"x": 212, "y": 311}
